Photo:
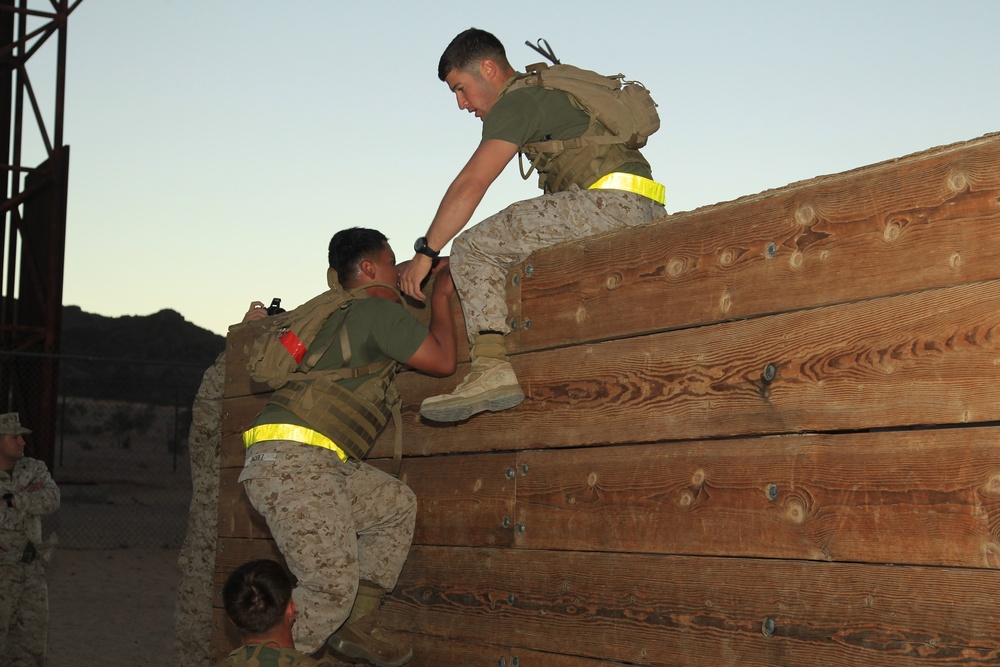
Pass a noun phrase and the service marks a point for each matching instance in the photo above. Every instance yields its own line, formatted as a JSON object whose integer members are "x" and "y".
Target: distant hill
{"x": 156, "y": 358}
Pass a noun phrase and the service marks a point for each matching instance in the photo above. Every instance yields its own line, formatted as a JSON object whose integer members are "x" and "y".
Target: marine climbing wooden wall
{"x": 761, "y": 432}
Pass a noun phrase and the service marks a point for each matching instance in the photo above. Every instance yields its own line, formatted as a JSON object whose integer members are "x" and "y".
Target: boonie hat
{"x": 10, "y": 424}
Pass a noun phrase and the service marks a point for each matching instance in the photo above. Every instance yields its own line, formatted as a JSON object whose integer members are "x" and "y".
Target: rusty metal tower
{"x": 34, "y": 216}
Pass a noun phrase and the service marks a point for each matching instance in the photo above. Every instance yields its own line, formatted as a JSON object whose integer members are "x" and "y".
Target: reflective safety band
{"x": 618, "y": 180}
{"x": 289, "y": 432}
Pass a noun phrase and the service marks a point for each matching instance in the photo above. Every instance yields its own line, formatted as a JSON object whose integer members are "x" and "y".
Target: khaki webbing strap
{"x": 340, "y": 373}
{"x": 319, "y": 347}
{"x": 345, "y": 345}
{"x": 349, "y": 418}
{"x": 560, "y": 145}
{"x": 397, "y": 424}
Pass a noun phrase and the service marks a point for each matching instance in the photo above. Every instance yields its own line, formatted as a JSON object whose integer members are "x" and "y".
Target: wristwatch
{"x": 421, "y": 247}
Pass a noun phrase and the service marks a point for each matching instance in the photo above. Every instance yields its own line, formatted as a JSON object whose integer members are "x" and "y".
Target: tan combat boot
{"x": 490, "y": 385}
{"x": 361, "y": 638}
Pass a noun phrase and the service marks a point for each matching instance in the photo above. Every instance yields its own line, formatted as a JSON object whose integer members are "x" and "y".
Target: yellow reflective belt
{"x": 289, "y": 432}
{"x": 618, "y": 180}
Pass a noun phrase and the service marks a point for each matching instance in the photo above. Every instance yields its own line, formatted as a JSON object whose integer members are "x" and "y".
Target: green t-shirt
{"x": 533, "y": 114}
{"x": 378, "y": 330}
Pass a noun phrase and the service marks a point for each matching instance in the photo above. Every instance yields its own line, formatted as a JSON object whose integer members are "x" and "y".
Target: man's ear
{"x": 488, "y": 69}
{"x": 367, "y": 267}
{"x": 290, "y": 612}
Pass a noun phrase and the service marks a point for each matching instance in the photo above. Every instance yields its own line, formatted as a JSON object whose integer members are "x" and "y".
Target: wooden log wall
{"x": 760, "y": 433}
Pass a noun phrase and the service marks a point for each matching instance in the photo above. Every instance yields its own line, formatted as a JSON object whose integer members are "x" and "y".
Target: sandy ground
{"x": 113, "y": 576}
{"x": 111, "y": 607}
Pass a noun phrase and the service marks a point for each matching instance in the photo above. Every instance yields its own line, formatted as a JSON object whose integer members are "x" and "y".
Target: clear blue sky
{"x": 218, "y": 144}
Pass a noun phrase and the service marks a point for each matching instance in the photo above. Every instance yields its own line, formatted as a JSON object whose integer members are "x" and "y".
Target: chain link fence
{"x": 120, "y": 452}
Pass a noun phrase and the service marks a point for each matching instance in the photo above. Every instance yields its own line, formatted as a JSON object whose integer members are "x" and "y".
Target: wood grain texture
{"x": 924, "y": 358}
{"x": 461, "y": 500}
{"x": 921, "y": 497}
{"x": 237, "y": 517}
{"x": 671, "y": 610}
{"x": 759, "y": 433}
{"x": 435, "y": 652}
{"x": 899, "y": 226}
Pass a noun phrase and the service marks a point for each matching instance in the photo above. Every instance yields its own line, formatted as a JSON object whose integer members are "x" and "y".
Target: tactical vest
{"x": 581, "y": 160}
{"x": 350, "y": 418}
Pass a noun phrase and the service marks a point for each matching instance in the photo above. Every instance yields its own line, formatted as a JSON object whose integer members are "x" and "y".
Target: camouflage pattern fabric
{"x": 193, "y": 606}
{"x": 335, "y": 523}
{"x": 271, "y": 655}
{"x": 24, "y": 615}
{"x": 482, "y": 255}
{"x": 24, "y": 602}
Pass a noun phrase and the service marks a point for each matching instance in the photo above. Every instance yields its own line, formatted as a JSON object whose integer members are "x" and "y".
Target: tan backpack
{"x": 285, "y": 349}
{"x": 625, "y": 108}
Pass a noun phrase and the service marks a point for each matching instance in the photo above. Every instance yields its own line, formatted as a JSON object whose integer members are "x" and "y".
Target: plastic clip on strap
{"x": 290, "y": 432}
{"x": 632, "y": 183}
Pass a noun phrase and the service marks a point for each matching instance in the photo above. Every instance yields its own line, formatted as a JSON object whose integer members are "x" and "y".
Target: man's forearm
{"x": 454, "y": 212}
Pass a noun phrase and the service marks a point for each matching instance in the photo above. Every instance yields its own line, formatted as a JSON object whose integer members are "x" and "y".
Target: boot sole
{"x": 494, "y": 401}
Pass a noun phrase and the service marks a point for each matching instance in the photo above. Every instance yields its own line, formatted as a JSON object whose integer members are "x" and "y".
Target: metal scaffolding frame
{"x": 32, "y": 239}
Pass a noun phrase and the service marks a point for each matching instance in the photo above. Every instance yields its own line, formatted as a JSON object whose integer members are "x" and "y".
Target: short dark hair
{"x": 468, "y": 49}
{"x": 256, "y": 595}
{"x": 349, "y": 246}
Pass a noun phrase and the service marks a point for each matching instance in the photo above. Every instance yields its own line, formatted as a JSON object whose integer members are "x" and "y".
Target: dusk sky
{"x": 216, "y": 145}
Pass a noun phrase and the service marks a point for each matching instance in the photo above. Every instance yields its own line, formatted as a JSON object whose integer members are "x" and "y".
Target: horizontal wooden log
{"x": 239, "y": 340}
{"x": 237, "y": 415}
{"x": 924, "y": 358}
{"x": 904, "y": 225}
{"x": 669, "y": 610}
{"x": 434, "y": 652}
{"x": 233, "y": 552}
{"x": 907, "y": 224}
{"x": 237, "y": 517}
{"x": 461, "y": 500}
{"x": 921, "y": 497}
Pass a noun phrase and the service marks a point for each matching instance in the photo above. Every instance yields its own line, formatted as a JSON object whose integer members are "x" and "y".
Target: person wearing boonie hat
{"x": 28, "y": 492}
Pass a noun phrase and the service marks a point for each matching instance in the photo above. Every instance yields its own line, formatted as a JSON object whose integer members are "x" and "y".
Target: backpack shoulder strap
{"x": 320, "y": 347}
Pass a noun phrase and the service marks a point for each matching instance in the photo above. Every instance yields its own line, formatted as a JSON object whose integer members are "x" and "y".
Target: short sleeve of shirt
{"x": 392, "y": 332}
{"x": 534, "y": 114}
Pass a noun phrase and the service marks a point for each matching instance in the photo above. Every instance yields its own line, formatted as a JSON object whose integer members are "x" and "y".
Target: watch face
{"x": 421, "y": 247}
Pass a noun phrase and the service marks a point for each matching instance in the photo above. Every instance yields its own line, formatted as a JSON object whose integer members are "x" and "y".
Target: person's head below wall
{"x": 349, "y": 247}
{"x": 257, "y": 596}
{"x": 468, "y": 49}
